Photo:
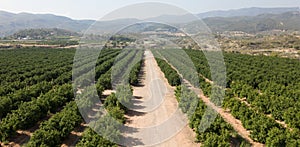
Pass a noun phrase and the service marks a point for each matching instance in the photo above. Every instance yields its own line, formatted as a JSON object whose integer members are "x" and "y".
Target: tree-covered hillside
{"x": 43, "y": 33}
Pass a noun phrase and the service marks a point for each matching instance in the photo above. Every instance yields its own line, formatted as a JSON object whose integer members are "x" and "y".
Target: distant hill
{"x": 45, "y": 33}
{"x": 270, "y": 19}
{"x": 112, "y": 25}
{"x": 252, "y": 24}
{"x": 247, "y": 20}
{"x": 254, "y": 11}
{"x": 11, "y": 23}
{"x": 174, "y": 18}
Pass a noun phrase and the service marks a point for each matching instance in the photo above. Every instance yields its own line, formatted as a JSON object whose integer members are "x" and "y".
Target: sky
{"x": 96, "y": 9}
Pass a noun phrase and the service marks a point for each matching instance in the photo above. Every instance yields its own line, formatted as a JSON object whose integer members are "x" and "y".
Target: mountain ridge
{"x": 252, "y": 11}
{"x": 12, "y": 22}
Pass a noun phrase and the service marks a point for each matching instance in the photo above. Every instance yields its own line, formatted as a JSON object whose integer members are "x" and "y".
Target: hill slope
{"x": 42, "y": 33}
{"x": 252, "y": 24}
{"x": 11, "y": 23}
{"x": 247, "y": 12}
{"x": 247, "y": 20}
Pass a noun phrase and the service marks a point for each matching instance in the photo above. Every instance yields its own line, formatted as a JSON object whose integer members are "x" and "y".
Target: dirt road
{"x": 155, "y": 119}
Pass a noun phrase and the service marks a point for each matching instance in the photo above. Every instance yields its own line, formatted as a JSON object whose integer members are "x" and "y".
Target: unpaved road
{"x": 155, "y": 119}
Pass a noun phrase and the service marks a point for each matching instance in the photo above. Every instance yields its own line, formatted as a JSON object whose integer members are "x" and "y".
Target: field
{"x": 262, "y": 92}
{"x": 38, "y": 108}
{"x": 37, "y": 97}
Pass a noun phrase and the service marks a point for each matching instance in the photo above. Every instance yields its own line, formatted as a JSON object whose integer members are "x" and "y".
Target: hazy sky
{"x": 95, "y": 9}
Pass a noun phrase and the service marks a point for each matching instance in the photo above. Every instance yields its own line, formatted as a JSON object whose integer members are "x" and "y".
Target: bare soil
{"x": 151, "y": 110}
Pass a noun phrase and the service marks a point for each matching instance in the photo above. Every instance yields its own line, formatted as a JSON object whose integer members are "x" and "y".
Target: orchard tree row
{"x": 269, "y": 132}
{"x": 17, "y": 66}
{"x": 269, "y": 89}
{"x": 115, "y": 104}
{"x": 219, "y": 133}
{"x": 42, "y": 89}
{"x": 53, "y": 131}
{"x": 58, "y": 127}
{"x": 269, "y": 84}
{"x": 48, "y": 75}
{"x": 104, "y": 130}
{"x": 43, "y": 93}
{"x": 87, "y": 63}
{"x": 29, "y": 113}
{"x": 123, "y": 66}
{"x": 13, "y": 100}
{"x": 262, "y": 128}
{"x": 171, "y": 74}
